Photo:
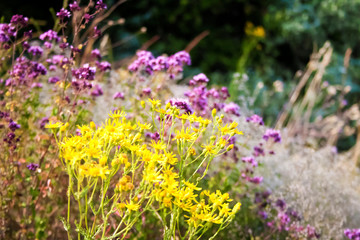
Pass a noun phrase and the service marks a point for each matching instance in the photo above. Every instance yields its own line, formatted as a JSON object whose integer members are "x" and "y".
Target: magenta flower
{"x": 63, "y": 14}
{"x": 49, "y": 36}
{"x": 35, "y": 50}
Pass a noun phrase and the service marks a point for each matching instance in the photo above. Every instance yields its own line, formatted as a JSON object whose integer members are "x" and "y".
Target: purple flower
{"x": 19, "y": 20}
{"x": 97, "y": 91}
{"x": 48, "y": 45}
{"x": 284, "y": 220}
{"x": 86, "y": 72}
{"x": 258, "y": 151}
{"x": 36, "y": 85}
{"x": 26, "y": 45}
{"x": 63, "y": 45}
{"x": 274, "y": 134}
{"x": 146, "y": 91}
{"x": 224, "y": 93}
{"x": 13, "y": 126}
{"x": 28, "y": 34}
{"x": 96, "y": 53}
{"x": 104, "y": 66}
{"x": 43, "y": 122}
{"x": 142, "y": 62}
{"x": 54, "y": 79}
{"x": 250, "y": 160}
{"x": 63, "y": 14}
{"x": 263, "y": 214}
{"x": 181, "y": 104}
{"x": 32, "y": 166}
{"x": 256, "y": 180}
{"x": 49, "y": 36}
{"x": 96, "y": 33}
{"x": 74, "y": 6}
{"x": 159, "y": 63}
{"x": 352, "y": 233}
{"x": 118, "y": 95}
{"x": 255, "y": 119}
{"x": 88, "y": 17}
{"x": 281, "y": 204}
{"x": 100, "y": 5}
{"x": 232, "y": 108}
{"x": 6, "y": 31}
{"x": 181, "y": 58}
{"x": 199, "y": 79}
{"x": 35, "y": 50}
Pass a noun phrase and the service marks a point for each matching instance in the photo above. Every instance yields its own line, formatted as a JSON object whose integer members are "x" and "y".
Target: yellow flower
{"x": 143, "y": 126}
{"x": 209, "y": 149}
{"x": 155, "y": 103}
{"x": 117, "y": 114}
{"x": 52, "y": 125}
{"x": 185, "y": 135}
{"x": 132, "y": 206}
{"x": 159, "y": 145}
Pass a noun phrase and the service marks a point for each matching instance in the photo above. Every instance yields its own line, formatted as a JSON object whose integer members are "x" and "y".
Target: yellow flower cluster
{"x": 251, "y": 30}
{"x": 152, "y": 170}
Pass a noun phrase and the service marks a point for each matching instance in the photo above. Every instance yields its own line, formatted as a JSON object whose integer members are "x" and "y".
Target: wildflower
{"x": 100, "y": 5}
{"x": 74, "y": 6}
{"x": 159, "y": 145}
{"x": 52, "y": 125}
{"x": 97, "y": 91}
{"x": 63, "y": 13}
{"x": 198, "y": 79}
{"x": 132, "y": 206}
{"x": 32, "y": 166}
{"x": 274, "y": 134}
{"x": 86, "y": 72}
{"x": 104, "y": 66}
{"x": 49, "y": 36}
{"x": 54, "y": 79}
{"x": 118, "y": 95}
{"x": 255, "y": 119}
{"x": 35, "y": 50}
{"x": 181, "y": 104}
{"x": 232, "y": 108}
{"x": 13, "y": 126}
{"x": 19, "y": 20}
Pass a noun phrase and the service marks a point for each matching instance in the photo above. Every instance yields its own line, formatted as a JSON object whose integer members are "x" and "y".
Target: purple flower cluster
{"x": 63, "y": 13}
{"x": 154, "y": 136}
{"x": 353, "y": 234}
{"x": 25, "y": 71}
{"x": 10, "y": 137}
{"x": 118, "y": 95}
{"x": 204, "y": 100}
{"x": 19, "y": 20}
{"x": 274, "y": 134}
{"x": 100, "y": 5}
{"x": 32, "y": 166}
{"x": 85, "y": 73}
{"x": 95, "y": 53}
{"x": 232, "y": 108}
{"x": 199, "y": 79}
{"x": 282, "y": 218}
{"x": 97, "y": 91}
{"x": 74, "y": 6}
{"x": 255, "y": 119}
{"x": 103, "y": 66}
{"x": 35, "y": 50}
{"x": 6, "y": 32}
{"x": 181, "y": 104}
{"x": 147, "y": 63}
{"x": 49, "y": 36}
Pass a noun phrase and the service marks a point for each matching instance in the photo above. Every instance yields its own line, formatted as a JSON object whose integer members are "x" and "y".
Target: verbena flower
{"x": 63, "y": 13}
{"x": 33, "y": 166}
